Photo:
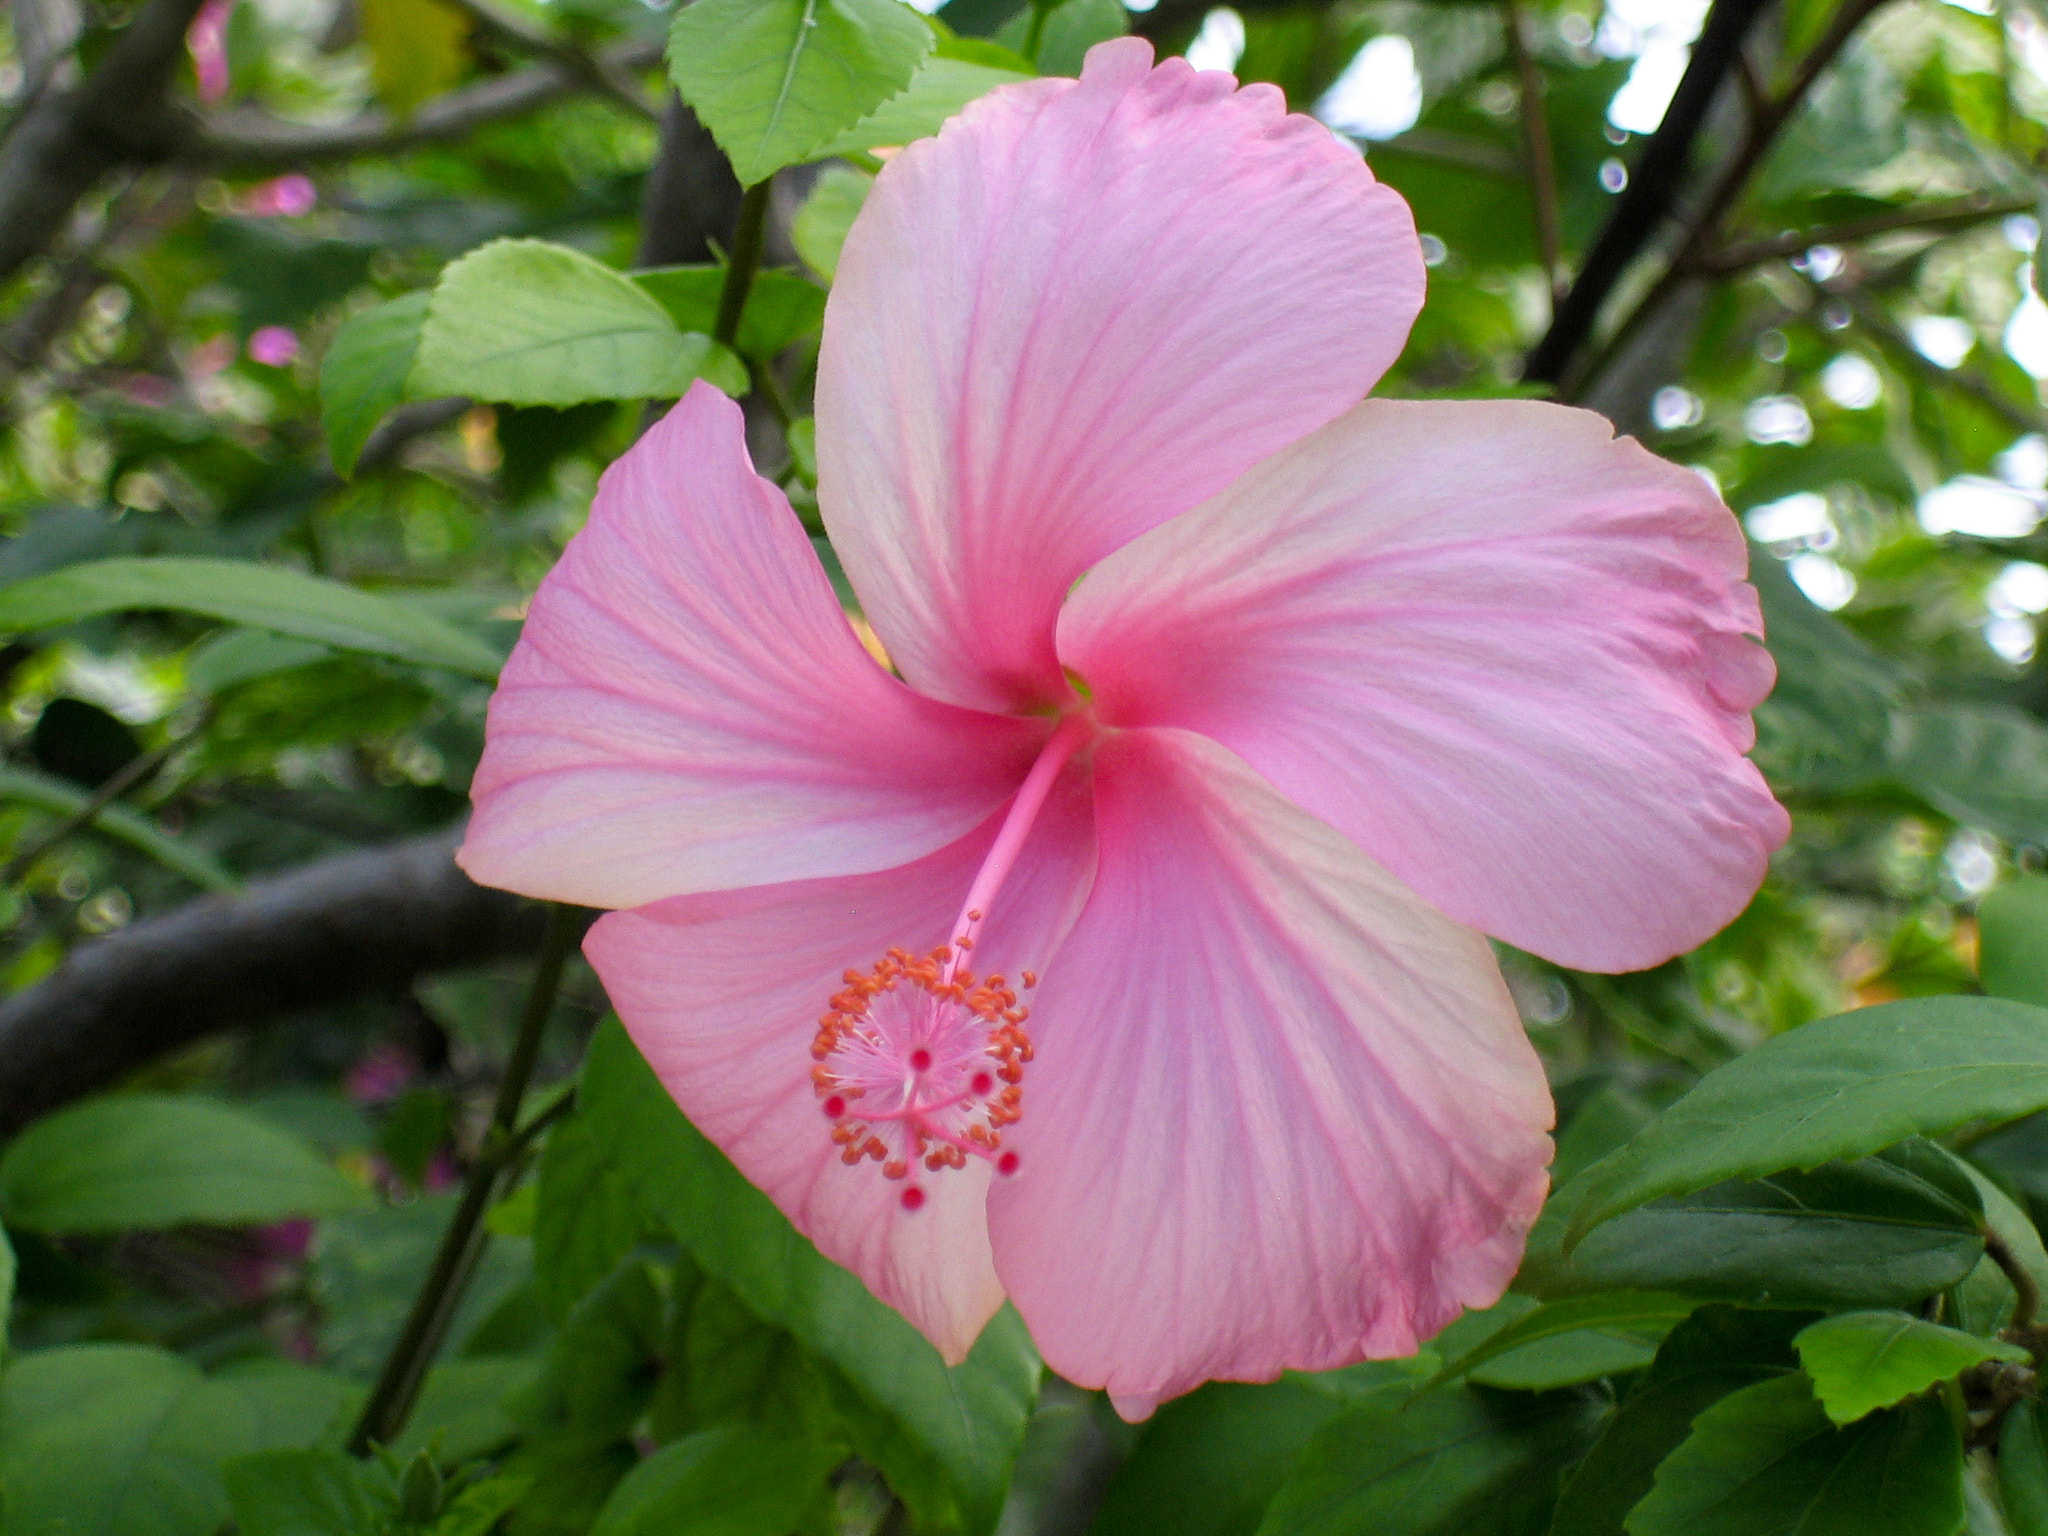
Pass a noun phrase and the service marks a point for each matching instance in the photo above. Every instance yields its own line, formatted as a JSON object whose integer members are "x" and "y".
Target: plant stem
{"x": 2028, "y": 1303}
{"x": 746, "y": 260}
{"x": 1536, "y": 147}
{"x": 398, "y": 1385}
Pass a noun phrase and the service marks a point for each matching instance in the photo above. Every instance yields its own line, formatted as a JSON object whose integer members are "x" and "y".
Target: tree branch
{"x": 1540, "y": 164}
{"x": 252, "y": 140}
{"x": 58, "y": 150}
{"x": 1652, "y": 191}
{"x": 362, "y": 925}
{"x": 1958, "y": 213}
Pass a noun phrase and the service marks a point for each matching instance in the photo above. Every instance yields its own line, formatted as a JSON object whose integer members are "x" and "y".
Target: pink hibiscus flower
{"x": 1234, "y": 712}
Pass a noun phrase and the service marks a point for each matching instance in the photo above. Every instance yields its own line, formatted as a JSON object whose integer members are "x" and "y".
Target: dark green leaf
{"x": 302, "y": 1493}
{"x": 1642, "y": 1317}
{"x": 941, "y": 1435}
{"x": 1712, "y": 1353}
{"x": 141, "y": 1160}
{"x": 24, "y": 786}
{"x": 782, "y": 308}
{"x": 1983, "y": 764}
{"x": 1827, "y": 719}
{"x": 363, "y": 375}
{"x": 1766, "y": 1458}
{"x": 1459, "y": 1462}
{"x": 1887, "y": 1230}
{"x": 2012, "y": 940}
{"x": 725, "y": 1482}
{"x": 1862, "y": 1361}
{"x": 6, "y": 1289}
{"x": 1209, "y": 1463}
{"x": 463, "y": 1408}
{"x": 271, "y": 597}
{"x": 2023, "y": 1469}
{"x": 585, "y": 1220}
{"x": 1837, "y": 1088}
{"x": 124, "y": 1440}
{"x": 525, "y": 322}
{"x": 775, "y": 79}
{"x": 726, "y": 1366}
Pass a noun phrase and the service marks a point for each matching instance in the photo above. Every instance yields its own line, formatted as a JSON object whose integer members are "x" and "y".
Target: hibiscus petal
{"x": 1507, "y": 653}
{"x": 687, "y": 708}
{"x": 1282, "y": 1114}
{"x": 722, "y": 992}
{"x": 1081, "y": 309}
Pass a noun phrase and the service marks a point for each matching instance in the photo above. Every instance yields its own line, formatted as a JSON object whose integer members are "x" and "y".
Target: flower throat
{"x": 919, "y": 1062}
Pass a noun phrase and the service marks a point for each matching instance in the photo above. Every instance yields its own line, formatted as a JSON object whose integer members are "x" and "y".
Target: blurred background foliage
{"x": 1841, "y": 328}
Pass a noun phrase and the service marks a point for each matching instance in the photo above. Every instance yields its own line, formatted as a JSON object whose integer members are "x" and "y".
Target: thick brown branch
{"x": 252, "y": 140}
{"x": 362, "y": 925}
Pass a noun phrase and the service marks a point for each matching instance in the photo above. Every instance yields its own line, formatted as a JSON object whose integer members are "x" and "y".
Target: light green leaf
{"x": 782, "y": 308}
{"x": 302, "y": 1493}
{"x": 775, "y": 79}
{"x": 462, "y": 1410}
{"x": 939, "y": 89}
{"x": 1836, "y": 1088}
{"x": 585, "y": 1219}
{"x": 142, "y": 1161}
{"x": 2012, "y": 940}
{"x": 60, "y": 797}
{"x": 126, "y": 1440}
{"x": 6, "y": 1289}
{"x": 1641, "y": 1316}
{"x": 417, "y": 49}
{"x": 1209, "y": 1463}
{"x": 1863, "y": 1361}
{"x": 273, "y": 597}
{"x": 240, "y": 655}
{"x": 734, "y": 1481}
{"x": 363, "y": 375}
{"x": 944, "y": 1438}
{"x": 2023, "y": 1469}
{"x": 1450, "y": 1463}
{"x": 1766, "y": 1458}
{"x": 1071, "y": 29}
{"x": 820, "y": 226}
{"x": 526, "y": 322}
{"x": 1983, "y": 764}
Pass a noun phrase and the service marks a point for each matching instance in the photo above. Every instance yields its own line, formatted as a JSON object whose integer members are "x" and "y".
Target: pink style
{"x": 1127, "y": 958}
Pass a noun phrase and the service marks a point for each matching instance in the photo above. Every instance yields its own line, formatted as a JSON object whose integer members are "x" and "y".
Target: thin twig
{"x": 1764, "y": 128}
{"x": 1878, "y": 326}
{"x": 538, "y": 40}
{"x": 2027, "y": 1303}
{"x": 1957, "y": 213}
{"x": 131, "y": 773}
{"x": 1540, "y": 163}
{"x": 747, "y": 242}
{"x": 390, "y": 1401}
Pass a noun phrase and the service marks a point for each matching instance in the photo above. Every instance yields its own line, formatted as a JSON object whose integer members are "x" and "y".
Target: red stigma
{"x": 983, "y": 1084}
{"x": 920, "y": 1061}
{"x": 1007, "y": 1163}
{"x": 912, "y": 1198}
{"x": 834, "y": 1107}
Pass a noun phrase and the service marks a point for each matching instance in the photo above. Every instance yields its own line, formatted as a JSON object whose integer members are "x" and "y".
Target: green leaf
{"x": 945, "y": 1437}
{"x": 726, "y": 1366}
{"x": 234, "y": 656}
{"x": 6, "y": 1289}
{"x": 126, "y": 1440}
{"x": 1886, "y": 1230}
{"x": 775, "y": 79}
{"x": 1071, "y": 29}
{"x": 1716, "y": 1351}
{"x": 1839, "y": 1087}
{"x": 417, "y": 49}
{"x": 782, "y": 307}
{"x": 939, "y": 89}
{"x": 2012, "y": 940}
{"x": 60, "y": 797}
{"x": 1462, "y": 1462}
{"x": 820, "y": 226}
{"x": 362, "y": 377}
{"x": 302, "y": 1493}
{"x": 525, "y": 322}
{"x": 1209, "y": 1463}
{"x": 1983, "y": 764}
{"x": 462, "y": 1412}
{"x": 733, "y": 1481}
{"x": 1862, "y": 1361}
{"x": 1825, "y": 722}
{"x": 273, "y": 597}
{"x": 1642, "y": 1317}
{"x": 144, "y": 1161}
{"x": 585, "y": 1220}
{"x": 1766, "y": 1458}
{"x": 2023, "y": 1469}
